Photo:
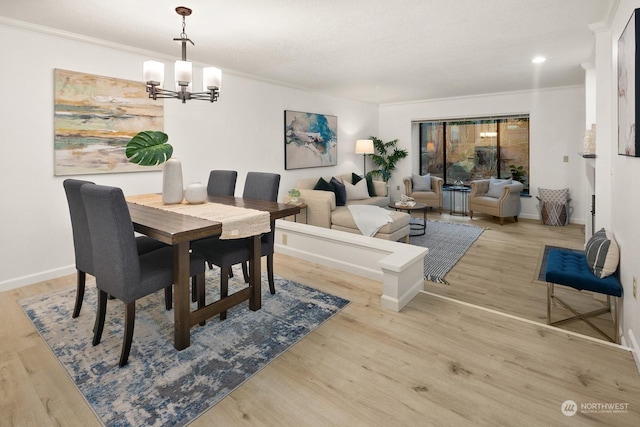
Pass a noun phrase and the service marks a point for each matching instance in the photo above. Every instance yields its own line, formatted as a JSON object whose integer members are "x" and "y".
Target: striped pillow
{"x": 602, "y": 254}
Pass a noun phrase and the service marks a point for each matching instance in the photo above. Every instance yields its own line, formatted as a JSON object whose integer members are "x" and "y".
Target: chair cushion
{"x": 570, "y": 269}
{"x": 340, "y": 190}
{"x": 602, "y": 254}
{"x": 421, "y": 182}
{"x": 496, "y": 186}
{"x": 357, "y": 191}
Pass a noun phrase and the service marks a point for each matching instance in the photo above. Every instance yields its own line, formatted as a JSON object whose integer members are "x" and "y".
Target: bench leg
{"x": 583, "y": 316}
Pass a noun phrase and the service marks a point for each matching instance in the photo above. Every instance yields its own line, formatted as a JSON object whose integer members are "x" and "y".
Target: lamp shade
{"x": 364, "y": 146}
{"x": 211, "y": 77}
{"x": 153, "y": 71}
{"x": 183, "y": 73}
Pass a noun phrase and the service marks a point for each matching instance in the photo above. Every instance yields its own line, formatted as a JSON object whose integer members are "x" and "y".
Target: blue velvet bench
{"x": 569, "y": 268}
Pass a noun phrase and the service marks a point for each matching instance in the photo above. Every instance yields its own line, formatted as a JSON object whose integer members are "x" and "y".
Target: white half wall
{"x": 556, "y": 127}
{"x": 244, "y": 131}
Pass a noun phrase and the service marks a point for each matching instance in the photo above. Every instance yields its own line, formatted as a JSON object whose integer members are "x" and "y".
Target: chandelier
{"x": 153, "y": 72}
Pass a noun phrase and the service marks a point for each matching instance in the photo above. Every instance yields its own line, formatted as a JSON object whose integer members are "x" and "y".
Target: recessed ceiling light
{"x": 538, "y": 59}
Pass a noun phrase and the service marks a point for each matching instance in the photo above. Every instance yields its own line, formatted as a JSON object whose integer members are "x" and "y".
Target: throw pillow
{"x": 323, "y": 185}
{"x": 370, "y": 187}
{"x": 358, "y": 191}
{"x": 355, "y": 178}
{"x": 554, "y": 196}
{"x": 496, "y": 186}
{"x": 421, "y": 182}
{"x": 602, "y": 254}
{"x": 341, "y": 192}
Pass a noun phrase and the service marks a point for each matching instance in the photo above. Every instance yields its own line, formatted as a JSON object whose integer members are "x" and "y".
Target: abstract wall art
{"x": 94, "y": 119}
{"x": 628, "y": 138}
{"x": 310, "y": 140}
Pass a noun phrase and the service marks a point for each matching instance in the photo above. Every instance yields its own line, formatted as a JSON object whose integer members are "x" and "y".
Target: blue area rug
{"x": 543, "y": 265}
{"x": 447, "y": 242}
{"x": 161, "y": 386}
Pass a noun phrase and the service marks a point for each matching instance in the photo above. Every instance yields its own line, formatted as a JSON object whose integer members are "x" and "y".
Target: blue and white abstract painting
{"x": 310, "y": 140}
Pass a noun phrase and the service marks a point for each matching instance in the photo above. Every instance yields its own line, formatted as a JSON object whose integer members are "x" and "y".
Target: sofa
{"x": 430, "y": 195}
{"x": 500, "y": 198}
{"x": 322, "y": 210}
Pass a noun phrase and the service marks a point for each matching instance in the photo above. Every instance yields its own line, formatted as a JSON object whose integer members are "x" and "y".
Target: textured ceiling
{"x": 372, "y": 50}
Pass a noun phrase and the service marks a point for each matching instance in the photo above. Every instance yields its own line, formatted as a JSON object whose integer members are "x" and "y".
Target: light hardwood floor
{"x": 437, "y": 363}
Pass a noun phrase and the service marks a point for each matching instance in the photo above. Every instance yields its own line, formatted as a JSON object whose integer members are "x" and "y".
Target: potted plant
{"x": 517, "y": 173}
{"x": 150, "y": 148}
{"x": 386, "y": 157}
{"x": 294, "y": 193}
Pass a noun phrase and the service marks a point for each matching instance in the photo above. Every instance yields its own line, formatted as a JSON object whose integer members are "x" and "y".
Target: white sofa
{"x": 322, "y": 211}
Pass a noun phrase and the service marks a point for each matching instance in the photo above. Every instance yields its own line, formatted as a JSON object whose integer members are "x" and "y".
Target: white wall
{"x": 625, "y": 176}
{"x": 242, "y": 131}
{"x": 557, "y": 123}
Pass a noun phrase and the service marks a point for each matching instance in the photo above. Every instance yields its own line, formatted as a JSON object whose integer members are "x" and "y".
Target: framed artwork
{"x": 628, "y": 142}
{"x": 94, "y": 119}
{"x": 310, "y": 140}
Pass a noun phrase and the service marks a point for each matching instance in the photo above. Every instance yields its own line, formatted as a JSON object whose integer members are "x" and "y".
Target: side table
{"x": 464, "y": 196}
{"x": 420, "y": 228}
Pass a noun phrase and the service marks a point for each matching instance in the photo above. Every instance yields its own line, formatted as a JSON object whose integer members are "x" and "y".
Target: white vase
{"x": 195, "y": 193}
{"x": 172, "y": 190}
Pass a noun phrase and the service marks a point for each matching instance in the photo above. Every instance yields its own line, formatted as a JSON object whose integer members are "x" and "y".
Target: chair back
{"x": 79, "y": 225}
{"x": 115, "y": 255}
{"x": 222, "y": 183}
{"x": 262, "y": 186}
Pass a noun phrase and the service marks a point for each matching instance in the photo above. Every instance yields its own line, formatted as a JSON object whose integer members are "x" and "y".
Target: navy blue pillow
{"x": 340, "y": 190}
{"x": 323, "y": 185}
{"x": 370, "y": 187}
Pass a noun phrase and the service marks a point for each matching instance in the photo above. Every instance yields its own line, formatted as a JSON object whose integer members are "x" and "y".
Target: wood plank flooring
{"x": 437, "y": 363}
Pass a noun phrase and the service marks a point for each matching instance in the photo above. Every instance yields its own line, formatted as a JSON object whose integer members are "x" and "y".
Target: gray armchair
{"x": 506, "y": 204}
{"x": 432, "y": 198}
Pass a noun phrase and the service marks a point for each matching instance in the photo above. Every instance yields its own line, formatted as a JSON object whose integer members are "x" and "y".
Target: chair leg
{"x": 471, "y": 214}
{"x": 194, "y": 289}
{"x": 515, "y": 218}
{"x": 81, "y": 279}
{"x": 245, "y": 272}
{"x": 168, "y": 297}
{"x": 197, "y": 283}
{"x": 230, "y": 271}
{"x": 224, "y": 291}
{"x": 100, "y": 315}
{"x": 129, "y": 323}
{"x": 501, "y": 221}
{"x": 272, "y": 286}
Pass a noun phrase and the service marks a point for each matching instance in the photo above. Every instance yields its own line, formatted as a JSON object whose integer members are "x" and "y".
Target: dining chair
{"x": 82, "y": 241}
{"x": 222, "y": 183}
{"x": 226, "y": 253}
{"x": 120, "y": 270}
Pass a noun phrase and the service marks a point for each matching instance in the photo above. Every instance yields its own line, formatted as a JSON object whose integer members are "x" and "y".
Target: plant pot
{"x": 172, "y": 190}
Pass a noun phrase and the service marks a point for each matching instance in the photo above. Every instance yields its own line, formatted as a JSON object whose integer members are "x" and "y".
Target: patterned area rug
{"x": 161, "y": 386}
{"x": 447, "y": 242}
{"x": 543, "y": 264}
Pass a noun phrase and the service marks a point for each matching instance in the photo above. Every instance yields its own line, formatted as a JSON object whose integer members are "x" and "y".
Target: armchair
{"x": 431, "y": 198}
{"x": 506, "y": 204}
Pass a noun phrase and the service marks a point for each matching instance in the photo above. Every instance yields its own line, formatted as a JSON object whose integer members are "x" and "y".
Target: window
{"x": 468, "y": 149}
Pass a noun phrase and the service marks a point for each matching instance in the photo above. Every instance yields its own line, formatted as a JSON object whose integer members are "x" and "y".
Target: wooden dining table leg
{"x": 181, "y": 296}
{"x": 255, "y": 275}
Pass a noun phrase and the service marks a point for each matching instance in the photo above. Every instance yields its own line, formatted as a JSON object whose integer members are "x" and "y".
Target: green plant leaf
{"x": 149, "y": 148}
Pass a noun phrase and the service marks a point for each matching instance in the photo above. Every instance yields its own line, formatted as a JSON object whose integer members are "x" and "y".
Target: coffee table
{"x": 420, "y": 228}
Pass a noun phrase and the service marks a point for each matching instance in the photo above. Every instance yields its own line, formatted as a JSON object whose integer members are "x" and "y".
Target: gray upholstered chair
{"x": 226, "y": 253}
{"x": 431, "y": 195}
{"x": 222, "y": 183}
{"x": 119, "y": 270}
{"x": 501, "y": 200}
{"x": 82, "y": 242}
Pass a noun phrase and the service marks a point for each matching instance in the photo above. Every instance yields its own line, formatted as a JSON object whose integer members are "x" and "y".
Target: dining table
{"x": 179, "y": 228}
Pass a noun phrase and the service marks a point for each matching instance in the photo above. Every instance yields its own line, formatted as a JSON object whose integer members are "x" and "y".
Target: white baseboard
{"x": 42, "y": 276}
{"x": 633, "y": 344}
